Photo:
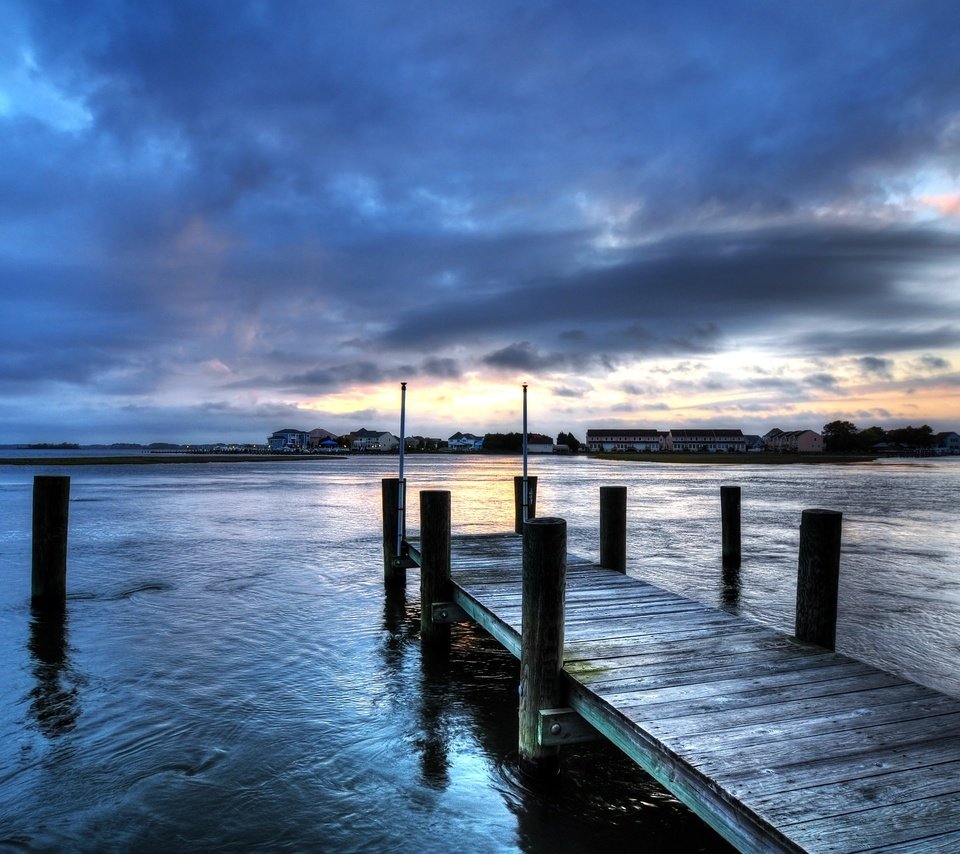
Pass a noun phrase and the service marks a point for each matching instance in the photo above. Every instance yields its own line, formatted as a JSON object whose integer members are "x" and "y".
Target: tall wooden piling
{"x": 730, "y": 525}
{"x": 613, "y": 527}
{"x": 51, "y": 503}
{"x": 518, "y": 501}
{"x": 393, "y": 575}
{"x": 818, "y": 577}
{"x": 541, "y": 656}
{"x": 435, "y": 583}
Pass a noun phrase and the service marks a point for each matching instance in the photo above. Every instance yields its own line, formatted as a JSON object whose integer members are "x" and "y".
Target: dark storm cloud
{"x": 687, "y": 293}
{"x": 821, "y": 381}
{"x": 521, "y": 356}
{"x": 875, "y": 366}
{"x": 933, "y": 363}
{"x": 442, "y": 368}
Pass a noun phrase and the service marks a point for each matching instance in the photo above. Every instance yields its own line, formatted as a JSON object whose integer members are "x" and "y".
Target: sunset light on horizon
{"x": 220, "y": 220}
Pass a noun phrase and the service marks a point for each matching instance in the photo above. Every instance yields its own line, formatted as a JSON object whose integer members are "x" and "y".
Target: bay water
{"x": 229, "y": 675}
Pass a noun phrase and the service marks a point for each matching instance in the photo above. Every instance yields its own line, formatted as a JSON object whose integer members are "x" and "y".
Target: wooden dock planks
{"x": 777, "y": 745}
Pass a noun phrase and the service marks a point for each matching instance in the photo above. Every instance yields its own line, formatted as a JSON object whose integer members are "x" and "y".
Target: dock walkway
{"x": 776, "y": 745}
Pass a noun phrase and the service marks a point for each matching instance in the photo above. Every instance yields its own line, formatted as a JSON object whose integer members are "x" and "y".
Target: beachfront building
{"x": 793, "y": 441}
{"x": 464, "y": 442}
{"x": 288, "y": 439}
{"x": 537, "y": 443}
{"x": 946, "y": 443}
{"x": 702, "y": 440}
{"x": 373, "y": 440}
{"x": 636, "y": 439}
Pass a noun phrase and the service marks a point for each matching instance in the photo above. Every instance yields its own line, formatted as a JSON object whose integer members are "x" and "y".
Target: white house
{"x": 537, "y": 443}
{"x": 373, "y": 440}
{"x": 465, "y": 442}
{"x": 946, "y": 443}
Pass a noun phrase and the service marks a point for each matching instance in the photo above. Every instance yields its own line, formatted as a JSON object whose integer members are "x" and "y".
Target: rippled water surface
{"x": 229, "y": 674}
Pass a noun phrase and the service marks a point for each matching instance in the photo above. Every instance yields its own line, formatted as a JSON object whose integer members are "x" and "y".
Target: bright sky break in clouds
{"x": 219, "y": 219}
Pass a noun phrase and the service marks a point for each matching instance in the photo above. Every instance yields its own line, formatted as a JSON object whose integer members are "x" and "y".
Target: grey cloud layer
{"x": 316, "y": 195}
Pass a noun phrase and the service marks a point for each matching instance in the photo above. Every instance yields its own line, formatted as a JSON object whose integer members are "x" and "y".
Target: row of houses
{"x": 598, "y": 441}
{"x": 702, "y": 440}
{"x": 735, "y": 441}
{"x": 318, "y": 440}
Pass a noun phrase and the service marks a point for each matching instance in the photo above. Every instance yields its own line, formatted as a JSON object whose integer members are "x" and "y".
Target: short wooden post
{"x": 613, "y": 527}
{"x": 518, "y": 501}
{"x": 818, "y": 577}
{"x": 541, "y": 655}
{"x": 393, "y": 575}
{"x": 730, "y": 524}
{"x": 434, "y": 562}
{"x": 51, "y": 503}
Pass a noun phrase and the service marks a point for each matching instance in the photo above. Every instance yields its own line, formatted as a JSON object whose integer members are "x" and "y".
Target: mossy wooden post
{"x": 518, "y": 501}
{"x": 818, "y": 577}
{"x": 434, "y": 563}
{"x": 393, "y": 576}
{"x": 730, "y": 524}
{"x": 541, "y": 654}
{"x": 51, "y": 503}
{"x": 613, "y": 527}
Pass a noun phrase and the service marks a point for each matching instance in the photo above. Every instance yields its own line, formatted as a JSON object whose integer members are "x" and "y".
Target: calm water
{"x": 230, "y": 676}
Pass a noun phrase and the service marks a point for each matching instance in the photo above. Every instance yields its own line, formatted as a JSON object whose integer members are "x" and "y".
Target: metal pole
{"x": 526, "y": 495}
{"x": 402, "y": 498}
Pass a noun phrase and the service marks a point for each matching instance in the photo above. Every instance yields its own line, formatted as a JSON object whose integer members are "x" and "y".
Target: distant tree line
{"x": 48, "y": 446}
{"x": 571, "y": 441}
{"x": 512, "y": 443}
{"x": 844, "y": 437}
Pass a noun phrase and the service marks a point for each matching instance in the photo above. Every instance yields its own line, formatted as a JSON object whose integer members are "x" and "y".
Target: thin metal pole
{"x": 526, "y": 495}
{"x": 402, "y": 498}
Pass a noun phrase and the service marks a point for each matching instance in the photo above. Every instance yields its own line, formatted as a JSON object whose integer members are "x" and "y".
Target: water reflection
{"x": 434, "y": 740}
{"x": 431, "y": 739}
{"x": 53, "y": 700}
{"x": 730, "y": 589}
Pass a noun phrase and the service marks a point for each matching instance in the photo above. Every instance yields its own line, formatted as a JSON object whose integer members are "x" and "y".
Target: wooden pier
{"x": 778, "y": 745}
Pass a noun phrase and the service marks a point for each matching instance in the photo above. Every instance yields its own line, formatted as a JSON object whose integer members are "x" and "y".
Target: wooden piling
{"x": 51, "y": 502}
{"x": 818, "y": 577}
{"x": 518, "y": 501}
{"x": 541, "y": 655}
{"x": 393, "y": 575}
{"x": 730, "y": 524}
{"x": 613, "y": 527}
{"x": 435, "y": 583}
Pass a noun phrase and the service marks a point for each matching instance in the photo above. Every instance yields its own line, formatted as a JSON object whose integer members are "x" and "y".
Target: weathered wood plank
{"x": 802, "y": 773}
{"x": 903, "y": 822}
{"x": 867, "y": 792}
{"x": 777, "y": 745}
{"x": 891, "y": 703}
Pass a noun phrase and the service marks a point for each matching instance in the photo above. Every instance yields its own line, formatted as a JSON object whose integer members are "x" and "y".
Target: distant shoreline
{"x": 681, "y": 459}
{"x": 741, "y": 459}
{"x": 154, "y": 458}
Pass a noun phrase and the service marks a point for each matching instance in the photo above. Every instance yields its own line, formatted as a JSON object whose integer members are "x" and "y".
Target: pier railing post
{"x": 393, "y": 576}
{"x": 818, "y": 577}
{"x": 541, "y": 655}
{"x": 434, "y": 562}
{"x": 730, "y": 524}
{"x": 613, "y": 527}
{"x": 518, "y": 501}
{"x": 51, "y": 503}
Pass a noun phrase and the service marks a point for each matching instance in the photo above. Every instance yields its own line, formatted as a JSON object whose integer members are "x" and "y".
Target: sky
{"x": 220, "y": 219}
